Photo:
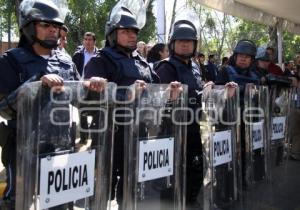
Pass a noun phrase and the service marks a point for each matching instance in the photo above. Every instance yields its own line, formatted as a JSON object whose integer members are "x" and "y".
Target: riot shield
{"x": 280, "y": 98}
{"x": 294, "y": 121}
{"x": 221, "y": 149}
{"x": 54, "y": 171}
{"x": 155, "y": 151}
{"x": 256, "y": 144}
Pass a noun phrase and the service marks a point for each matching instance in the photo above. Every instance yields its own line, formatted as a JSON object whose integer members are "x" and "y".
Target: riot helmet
{"x": 33, "y": 11}
{"x": 183, "y": 30}
{"x": 262, "y": 54}
{"x": 120, "y": 17}
{"x": 246, "y": 47}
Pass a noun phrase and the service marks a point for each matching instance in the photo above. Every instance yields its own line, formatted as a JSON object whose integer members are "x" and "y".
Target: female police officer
{"x": 35, "y": 58}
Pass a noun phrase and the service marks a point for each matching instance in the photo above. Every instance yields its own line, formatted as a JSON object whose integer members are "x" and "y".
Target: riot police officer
{"x": 119, "y": 62}
{"x": 240, "y": 65}
{"x": 179, "y": 67}
{"x": 263, "y": 60}
{"x": 34, "y": 59}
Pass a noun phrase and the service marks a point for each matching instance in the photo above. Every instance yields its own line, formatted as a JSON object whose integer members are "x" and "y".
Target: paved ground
{"x": 283, "y": 194}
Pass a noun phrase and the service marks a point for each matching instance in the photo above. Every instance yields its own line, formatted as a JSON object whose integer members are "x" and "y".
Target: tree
{"x": 9, "y": 19}
{"x": 87, "y": 16}
{"x": 149, "y": 31}
{"x": 213, "y": 31}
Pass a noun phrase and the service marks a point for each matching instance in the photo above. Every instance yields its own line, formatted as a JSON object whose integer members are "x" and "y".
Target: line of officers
{"x": 36, "y": 57}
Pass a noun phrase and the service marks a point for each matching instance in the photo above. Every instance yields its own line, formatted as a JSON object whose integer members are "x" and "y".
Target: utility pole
{"x": 173, "y": 15}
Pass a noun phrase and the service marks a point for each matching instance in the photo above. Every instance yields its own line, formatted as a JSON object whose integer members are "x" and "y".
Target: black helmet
{"x": 34, "y": 11}
{"x": 245, "y": 46}
{"x": 183, "y": 30}
{"x": 262, "y": 54}
{"x": 40, "y": 11}
{"x": 123, "y": 18}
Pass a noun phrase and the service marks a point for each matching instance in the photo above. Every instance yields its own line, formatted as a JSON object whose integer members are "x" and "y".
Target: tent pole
{"x": 279, "y": 41}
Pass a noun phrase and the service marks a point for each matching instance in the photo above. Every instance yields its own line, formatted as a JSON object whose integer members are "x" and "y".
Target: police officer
{"x": 119, "y": 62}
{"x": 263, "y": 60}
{"x": 179, "y": 67}
{"x": 34, "y": 59}
{"x": 240, "y": 68}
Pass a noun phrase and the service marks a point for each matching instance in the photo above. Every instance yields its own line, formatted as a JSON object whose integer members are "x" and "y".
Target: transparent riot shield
{"x": 294, "y": 121}
{"x": 279, "y": 108}
{"x": 55, "y": 171}
{"x": 221, "y": 149}
{"x": 256, "y": 145}
{"x": 155, "y": 151}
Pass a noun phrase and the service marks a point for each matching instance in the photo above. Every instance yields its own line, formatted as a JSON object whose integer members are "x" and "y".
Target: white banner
{"x": 257, "y": 135}
{"x": 222, "y": 151}
{"x": 160, "y": 21}
{"x": 66, "y": 178}
{"x": 278, "y": 128}
{"x": 156, "y": 159}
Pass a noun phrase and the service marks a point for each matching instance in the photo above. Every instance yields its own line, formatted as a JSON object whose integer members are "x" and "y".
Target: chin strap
{"x": 126, "y": 49}
{"x": 48, "y": 44}
{"x": 184, "y": 57}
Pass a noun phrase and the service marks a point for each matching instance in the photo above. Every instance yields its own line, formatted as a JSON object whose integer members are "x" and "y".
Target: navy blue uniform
{"x": 211, "y": 72}
{"x": 16, "y": 67}
{"x": 240, "y": 76}
{"x": 117, "y": 67}
{"x": 173, "y": 69}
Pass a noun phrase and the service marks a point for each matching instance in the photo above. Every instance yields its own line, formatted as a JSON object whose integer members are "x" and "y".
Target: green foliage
{"x": 149, "y": 30}
{"x": 87, "y": 16}
{"x": 8, "y": 11}
{"x": 291, "y": 46}
{"x": 250, "y": 30}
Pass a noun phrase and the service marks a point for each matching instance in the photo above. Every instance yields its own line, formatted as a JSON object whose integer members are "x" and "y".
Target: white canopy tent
{"x": 284, "y": 14}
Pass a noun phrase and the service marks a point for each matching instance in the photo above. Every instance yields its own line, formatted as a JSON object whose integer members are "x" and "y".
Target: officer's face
{"x": 127, "y": 38}
{"x": 47, "y": 31}
{"x": 243, "y": 61}
{"x": 184, "y": 47}
{"x": 89, "y": 43}
{"x": 263, "y": 64}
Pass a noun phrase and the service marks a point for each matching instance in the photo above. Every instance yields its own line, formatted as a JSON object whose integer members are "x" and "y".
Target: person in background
{"x": 81, "y": 58}
{"x": 63, "y": 40}
{"x": 211, "y": 68}
{"x": 297, "y": 62}
{"x": 289, "y": 68}
{"x": 141, "y": 48}
{"x": 148, "y": 48}
{"x": 273, "y": 68}
{"x": 224, "y": 64}
{"x": 157, "y": 53}
{"x": 199, "y": 59}
{"x": 84, "y": 54}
